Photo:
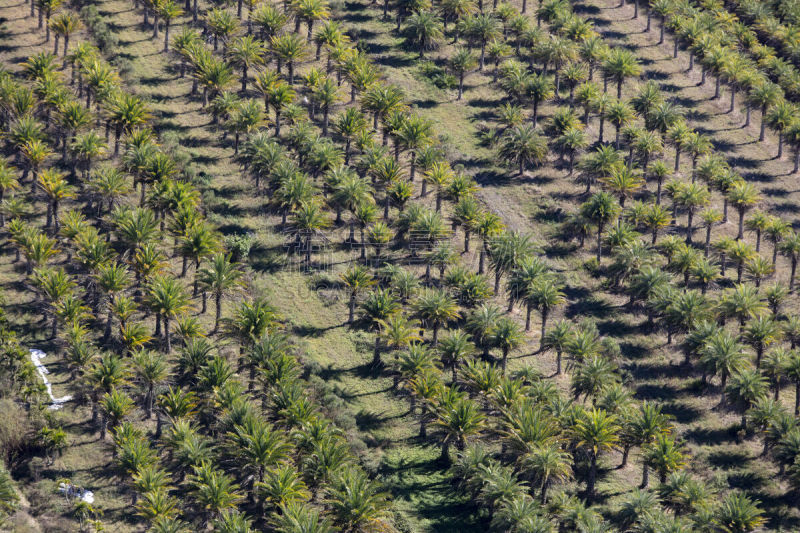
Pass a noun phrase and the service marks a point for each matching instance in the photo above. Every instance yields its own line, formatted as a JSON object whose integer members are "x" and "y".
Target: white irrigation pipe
{"x": 36, "y": 357}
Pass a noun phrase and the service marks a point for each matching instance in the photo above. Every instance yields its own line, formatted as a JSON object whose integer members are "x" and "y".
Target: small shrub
{"x": 438, "y": 76}
{"x": 239, "y": 246}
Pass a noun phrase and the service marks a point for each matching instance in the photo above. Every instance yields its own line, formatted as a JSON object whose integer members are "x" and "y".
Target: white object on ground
{"x": 36, "y": 357}
{"x": 71, "y": 491}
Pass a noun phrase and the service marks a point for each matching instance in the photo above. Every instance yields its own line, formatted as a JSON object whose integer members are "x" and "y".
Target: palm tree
{"x": 746, "y": 388}
{"x": 790, "y": 247}
{"x": 482, "y": 29}
{"x": 538, "y": 88}
{"x": 214, "y": 490}
{"x": 743, "y": 302}
{"x": 690, "y": 198}
{"x": 780, "y": 117}
{"x": 116, "y": 405}
{"x": 738, "y": 514}
{"x": 168, "y": 10}
{"x": 436, "y": 308}
{"x": 56, "y": 188}
{"x": 665, "y": 455}
{"x": 600, "y": 209}
{"x": 423, "y": 31}
{"x": 168, "y": 299}
{"x": 309, "y": 11}
{"x": 457, "y": 420}
{"x": 557, "y": 338}
{"x": 570, "y": 142}
{"x": 764, "y": 96}
{"x": 461, "y": 63}
{"x": 245, "y": 53}
{"x": 64, "y": 25}
{"x": 127, "y": 111}
{"x": 620, "y": 64}
{"x": 506, "y": 335}
{"x": 414, "y": 134}
{"x": 544, "y": 295}
{"x": 620, "y": 114}
{"x": 725, "y": 356}
{"x": 357, "y": 502}
{"x": 624, "y": 182}
{"x": 489, "y": 226}
{"x": 743, "y": 196}
{"x": 522, "y": 146}
{"x": 326, "y": 94}
{"x": 357, "y": 278}
{"x": 455, "y": 348}
{"x": 308, "y": 221}
{"x": 112, "y": 278}
{"x": 595, "y": 431}
{"x": 151, "y": 370}
{"x": 289, "y": 48}
{"x": 220, "y": 277}
{"x": 547, "y": 464}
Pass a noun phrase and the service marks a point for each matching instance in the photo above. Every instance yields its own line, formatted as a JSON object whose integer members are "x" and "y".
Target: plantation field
{"x": 662, "y": 357}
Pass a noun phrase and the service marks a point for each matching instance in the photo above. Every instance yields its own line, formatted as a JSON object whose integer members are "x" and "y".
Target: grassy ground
{"x": 535, "y": 202}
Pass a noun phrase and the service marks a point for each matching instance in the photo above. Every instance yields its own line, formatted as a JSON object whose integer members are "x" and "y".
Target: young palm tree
{"x": 482, "y": 29}
{"x": 547, "y": 464}
{"x": 601, "y": 209}
{"x": 743, "y": 196}
{"x": 289, "y": 48}
{"x": 357, "y": 502}
{"x": 620, "y": 64}
{"x": 523, "y": 147}
{"x": 506, "y": 335}
{"x": 220, "y": 277}
{"x": 214, "y": 490}
{"x": 168, "y": 10}
{"x": 739, "y": 513}
{"x": 458, "y": 421}
{"x": 780, "y": 117}
{"x": 168, "y": 299}
{"x": 116, "y": 405}
{"x": 595, "y": 431}
{"x": 357, "y": 278}
{"x": 56, "y": 188}
{"x": 127, "y": 111}
{"x": 665, "y": 455}
{"x": 423, "y": 31}
{"x": 246, "y": 52}
{"x": 461, "y": 63}
{"x": 790, "y": 247}
{"x": 151, "y": 371}
{"x": 436, "y": 308}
